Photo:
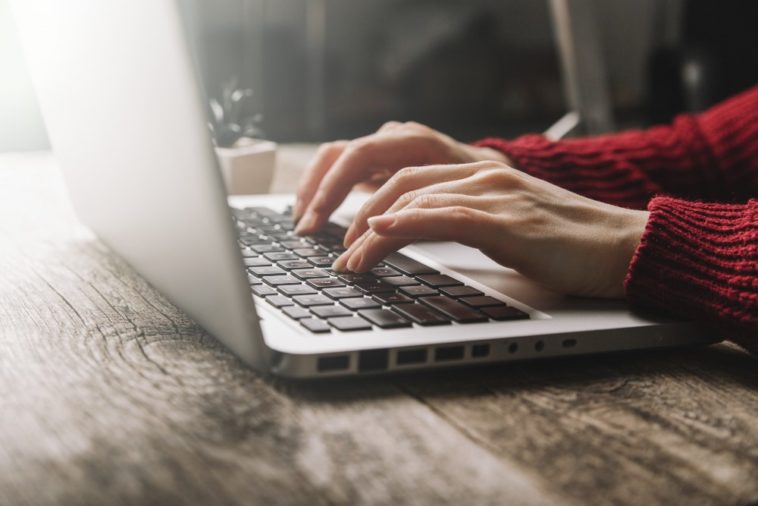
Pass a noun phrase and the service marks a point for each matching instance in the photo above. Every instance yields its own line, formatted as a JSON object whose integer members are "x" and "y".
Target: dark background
{"x": 340, "y": 68}
{"x": 326, "y": 69}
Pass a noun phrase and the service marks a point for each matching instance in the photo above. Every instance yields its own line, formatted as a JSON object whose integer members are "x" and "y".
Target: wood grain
{"x": 110, "y": 395}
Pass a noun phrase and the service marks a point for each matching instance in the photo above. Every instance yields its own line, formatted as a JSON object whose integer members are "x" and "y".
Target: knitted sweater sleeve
{"x": 712, "y": 156}
{"x": 698, "y": 256}
{"x": 700, "y": 260}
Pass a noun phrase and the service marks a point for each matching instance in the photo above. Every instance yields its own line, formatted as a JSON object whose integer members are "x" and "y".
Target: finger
{"x": 405, "y": 181}
{"x": 341, "y": 263}
{"x": 471, "y": 227}
{"x": 359, "y": 159}
{"x": 326, "y": 155}
{"x": 389, "y": 126}
{"x": 348, "y": 259}
{"x": 373, "y": 249}
{"x": 450, "y": 193}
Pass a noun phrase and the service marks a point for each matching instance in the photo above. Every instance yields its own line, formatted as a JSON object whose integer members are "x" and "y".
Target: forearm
{"x": 700, "y": 261}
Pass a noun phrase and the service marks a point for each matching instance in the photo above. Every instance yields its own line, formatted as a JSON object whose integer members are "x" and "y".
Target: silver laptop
{"x": 126, "y": 118}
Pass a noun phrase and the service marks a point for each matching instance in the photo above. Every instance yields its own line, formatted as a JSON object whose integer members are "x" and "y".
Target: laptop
{"x": 127, "y": 122}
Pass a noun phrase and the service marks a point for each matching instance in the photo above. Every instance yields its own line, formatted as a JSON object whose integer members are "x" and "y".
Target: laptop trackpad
{"x": 473, "y": 264}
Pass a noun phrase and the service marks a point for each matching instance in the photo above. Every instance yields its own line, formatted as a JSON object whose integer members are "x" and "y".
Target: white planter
{"x": 248, "y": 166}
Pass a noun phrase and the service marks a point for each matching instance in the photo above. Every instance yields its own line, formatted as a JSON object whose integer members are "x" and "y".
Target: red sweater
{"x": 698, "y": 177}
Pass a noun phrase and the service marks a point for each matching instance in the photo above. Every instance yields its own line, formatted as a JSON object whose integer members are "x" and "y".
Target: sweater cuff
{"x": 699, "y": 260}
{"x": 526, "y": 151}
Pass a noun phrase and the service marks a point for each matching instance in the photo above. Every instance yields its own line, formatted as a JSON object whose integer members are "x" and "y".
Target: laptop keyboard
{"x": 294, "y": 274}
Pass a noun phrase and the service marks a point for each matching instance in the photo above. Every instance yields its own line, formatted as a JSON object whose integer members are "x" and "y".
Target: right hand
{"x": 340, "y": 165}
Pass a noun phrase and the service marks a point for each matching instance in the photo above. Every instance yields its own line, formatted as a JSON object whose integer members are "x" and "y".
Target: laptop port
{"x": 539, "y": 346}
{"x": 406, "y": 357}
{"x": 333, "y": 363}
{"x": 448, "y": 353}
{"x": 373, "y": 360}
{"x": 512, "y": 348}
{"x": 480, "y": 350}
{"x": 568, "y": 343}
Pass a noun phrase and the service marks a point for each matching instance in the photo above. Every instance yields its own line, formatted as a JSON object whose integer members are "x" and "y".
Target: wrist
{"x": 633, "y": 228}
{"x": 483, "y": 153}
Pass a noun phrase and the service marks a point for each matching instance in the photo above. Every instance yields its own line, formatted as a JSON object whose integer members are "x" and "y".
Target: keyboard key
{"x": 257, "y": 211}
{"x": 347, "y": 323}
{"x": 308, "y": 252}
{"x": 502, "y": 313}
{"x": 263, "y": 290}
{"x": 296, "y": 312}
{"x": 279, "y": 301}
{"x": 352, "y": 277}
{"x": 277, "y": 218}
{"x": 482, "y": 301}
{"x": 388, "y": 299}
{"x": 325, "y": 282}
{"x": 280, "y": 280}
{"x": 330, "y": 311}
{"x": 268, "y": 270}
{"x": 254, "y": 240}
{"x": 421, "y": 314}
{"x": 343, "y": 292}
{"x": 322, "y": 261}
{"x": 279, "y": 236}
{"x": 266, "y": 248}
{"x": 252, "y": 280}
{"x": 335, "y": 230}
{"x": 418, "y": 291}
{"x": 297, "y": 243}
{"x": 310, "y": 273}
{"x": 316, "y": 326}
{"x": 399, "y": 281}
{"x": 270, "y": 230}
{"x": 372, "y": 286}
{"x": 294, "y": 264}
{"x": 278, "y": 257}
{"x": 292, "y": 290}
{"x": 313, "y": 300}
{"x": 382, "y": 272}
{"x": 454, "y": 309}
{"x": 359, "y": 303}
{"x": 384, "y": 318}
{"x": 408, "y": 265}
{"x": 437, "y": 280}
{"x": 459, "y": 291}
{"x": 256, "y": 261}
{"x": 248, "y": 253}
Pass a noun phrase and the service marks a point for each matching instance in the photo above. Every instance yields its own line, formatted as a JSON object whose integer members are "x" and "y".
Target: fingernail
{"x": 306, "y": 223}
{"x": 296, "y": 210}
{"x": 348, "y": 237}
{"x": 339, "y": 264}
{"x": 382, "y": 222}
{"x": 354, "y": 262}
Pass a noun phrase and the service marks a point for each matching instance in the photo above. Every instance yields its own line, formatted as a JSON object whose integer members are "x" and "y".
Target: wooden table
{"x": 110, "y": 395}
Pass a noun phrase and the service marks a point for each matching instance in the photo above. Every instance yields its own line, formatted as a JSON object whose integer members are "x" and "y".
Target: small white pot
{"x": 248, "y": 166}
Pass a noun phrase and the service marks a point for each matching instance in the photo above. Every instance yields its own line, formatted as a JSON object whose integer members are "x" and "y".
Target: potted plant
{"x": 247, "y": 162}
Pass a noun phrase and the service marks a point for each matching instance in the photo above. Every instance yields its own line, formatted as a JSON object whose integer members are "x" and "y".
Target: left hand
{"x": 562, "y": 240}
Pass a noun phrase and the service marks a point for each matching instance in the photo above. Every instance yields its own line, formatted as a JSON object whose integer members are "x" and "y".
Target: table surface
{"x": 110, "y": 395}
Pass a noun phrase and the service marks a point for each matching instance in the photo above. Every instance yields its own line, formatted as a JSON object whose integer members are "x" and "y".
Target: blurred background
{"x": 326, "y": 69}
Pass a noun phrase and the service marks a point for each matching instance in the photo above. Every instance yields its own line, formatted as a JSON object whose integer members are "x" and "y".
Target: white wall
{"x": 21, "y": 126}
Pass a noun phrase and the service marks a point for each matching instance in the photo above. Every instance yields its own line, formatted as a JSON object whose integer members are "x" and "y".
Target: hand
{"x": 562, "y": 240}
{"x": 338, "y": 166}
